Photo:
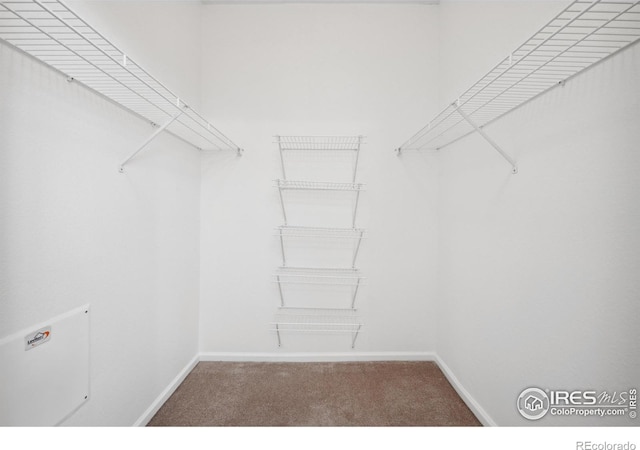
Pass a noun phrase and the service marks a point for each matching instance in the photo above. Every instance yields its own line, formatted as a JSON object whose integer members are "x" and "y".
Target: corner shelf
{"x": 52, "y": 33}
{"x": 285, "y": 231}
{"x": 319, "y": 277}
{"x": 581, "y": 35}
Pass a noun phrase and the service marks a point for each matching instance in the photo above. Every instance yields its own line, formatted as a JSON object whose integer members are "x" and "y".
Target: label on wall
{"x": 39, "y": 337}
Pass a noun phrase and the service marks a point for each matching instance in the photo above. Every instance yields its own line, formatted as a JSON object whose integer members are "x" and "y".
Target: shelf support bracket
{"x": 514, "y": 167}
{"x": 355, "y": 209}
{"x": 284, "y": 211}
{"x": 355, "y": 253}
{"x": 353, "y": 342}
{"x": 284, "y": 173}
{"x": 355, "y": 165}
{"x": 284, "y": 259}
{"x": 150, "y": 138}
{"x": 280, "y": 290}
{"x": 355, "y": 294}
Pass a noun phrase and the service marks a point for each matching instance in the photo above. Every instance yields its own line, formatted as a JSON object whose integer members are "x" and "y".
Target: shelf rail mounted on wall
{"x": 52, "y": 33}
{"x": 581, "y": 35}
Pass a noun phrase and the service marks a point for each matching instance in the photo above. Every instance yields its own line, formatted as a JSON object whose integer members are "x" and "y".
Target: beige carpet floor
{"x": 315, "y": 394}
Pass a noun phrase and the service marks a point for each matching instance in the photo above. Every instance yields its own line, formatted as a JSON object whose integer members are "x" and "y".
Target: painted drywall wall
{"x": 538, "y": 282}
{"x": 74, "y": 231}
{"x": 339, "y": 69}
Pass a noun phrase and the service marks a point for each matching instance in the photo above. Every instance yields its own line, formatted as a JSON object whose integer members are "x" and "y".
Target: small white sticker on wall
{"x": 36, "y": 338}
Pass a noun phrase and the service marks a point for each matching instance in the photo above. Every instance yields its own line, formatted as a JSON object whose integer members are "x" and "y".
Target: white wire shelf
{"x": 321, "y": 322}
{"x": 287, "y": 185}
{"x": 318, "y": 186}
{"x": 320, "y": 232}
{"x": 52, "y": 33}
{"x": 319, "y": 276}
{"x": 582, "y": 34}
{"x": 321, "y": 143}
{"x": 354, "y": 234}
{"x": 351, "y": 279}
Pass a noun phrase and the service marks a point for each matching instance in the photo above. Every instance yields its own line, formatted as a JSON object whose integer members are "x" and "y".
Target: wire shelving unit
{"x": 581, "y": 35}
{"x": 322, "y": 288}
{"x": 52, "y": 33}
{"x": 350, "y": 234}
{"x": 320, "y": 322}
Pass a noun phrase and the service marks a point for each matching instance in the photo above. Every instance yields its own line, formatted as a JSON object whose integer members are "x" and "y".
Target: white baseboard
{"x": 166, "y": 393}
{"x": 318, "y": 357}
{"x": 473, "y": 405}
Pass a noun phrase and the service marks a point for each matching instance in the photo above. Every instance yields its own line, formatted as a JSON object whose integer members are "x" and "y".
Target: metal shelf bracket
{"x": 355, "y": 336}
{"x": 514, "y": 167}
{"x": 151, "y": 138}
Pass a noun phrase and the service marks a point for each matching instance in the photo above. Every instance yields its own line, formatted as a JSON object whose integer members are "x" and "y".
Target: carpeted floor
{"x": 315, "y": 394}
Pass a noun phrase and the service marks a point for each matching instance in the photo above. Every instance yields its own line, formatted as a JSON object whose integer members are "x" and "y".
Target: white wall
{"x": 75, "y": 231}
{"x": 538, "y": 271}
{"x": 318, "y": 69}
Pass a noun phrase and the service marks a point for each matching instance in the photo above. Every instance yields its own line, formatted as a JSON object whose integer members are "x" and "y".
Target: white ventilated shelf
{"x": 320, "y": 232}
{"x": 355, "y": 235}
{"x": 316, "y": 279}
{"x": 318, "y": 186}
{"x": 316, "y": 144}
{"x": 52, "y": 33}
{"x": 581, "y": 35}
{"x": 319, "y": 276}
{"x": 319, "y": 322}
{"x": 319, "y": 143}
